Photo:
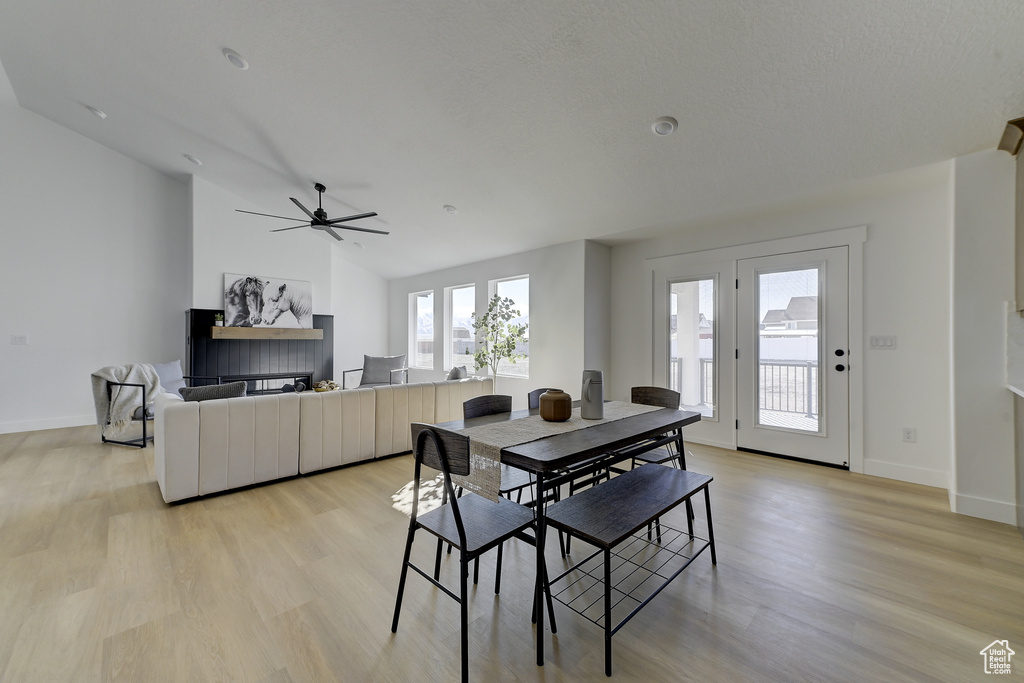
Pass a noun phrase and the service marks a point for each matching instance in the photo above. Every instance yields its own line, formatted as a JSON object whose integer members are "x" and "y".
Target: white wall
{"x": 93, "y": 267}
{"x": 360, "y": 315}
{"x": 556, "y": 315}
{"x": 983, "y": 261}
{"x": 906, "y": 293}
{"x": 225, "y": 241}
{"x": 597, "y": 306}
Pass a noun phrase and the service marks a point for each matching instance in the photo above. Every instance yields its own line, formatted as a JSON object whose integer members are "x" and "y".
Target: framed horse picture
{"x": 260, "y": 301}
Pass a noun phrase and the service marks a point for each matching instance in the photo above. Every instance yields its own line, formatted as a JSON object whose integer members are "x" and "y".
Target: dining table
{"x": 556, "y": 455}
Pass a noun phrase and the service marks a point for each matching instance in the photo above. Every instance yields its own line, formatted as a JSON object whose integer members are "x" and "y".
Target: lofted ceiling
{"x": 531, "y": 117}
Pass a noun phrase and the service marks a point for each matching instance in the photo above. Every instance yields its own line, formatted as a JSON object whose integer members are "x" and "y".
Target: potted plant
{"x": 218, "y": 319}
{"x": 497, "y": 338}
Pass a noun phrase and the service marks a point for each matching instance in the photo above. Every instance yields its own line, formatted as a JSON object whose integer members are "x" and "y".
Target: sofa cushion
{"x": 377, "y": 369}
{"x": 214, "y": 391}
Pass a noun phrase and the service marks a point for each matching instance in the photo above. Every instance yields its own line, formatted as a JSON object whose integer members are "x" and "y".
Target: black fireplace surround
{"x": 258, "y": 360}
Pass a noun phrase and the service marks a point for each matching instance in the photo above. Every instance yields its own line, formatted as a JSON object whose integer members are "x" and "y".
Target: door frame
{"x": 723, "y": 260}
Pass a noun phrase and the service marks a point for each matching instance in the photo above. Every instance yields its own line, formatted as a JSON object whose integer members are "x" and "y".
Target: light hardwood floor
{"x": 822, "y": 575}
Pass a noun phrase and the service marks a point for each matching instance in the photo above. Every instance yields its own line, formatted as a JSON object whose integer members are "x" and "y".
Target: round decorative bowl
{"x": 555, "y": 405}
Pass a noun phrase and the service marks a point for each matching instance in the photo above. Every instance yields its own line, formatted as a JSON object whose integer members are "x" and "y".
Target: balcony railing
{"x": 784, "y": 385}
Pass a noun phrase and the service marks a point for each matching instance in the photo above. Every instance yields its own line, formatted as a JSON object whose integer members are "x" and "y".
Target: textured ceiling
{"x": 533, "y": 117}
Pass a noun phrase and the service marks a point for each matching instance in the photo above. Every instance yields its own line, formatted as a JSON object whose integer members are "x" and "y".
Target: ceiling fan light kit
{"x": 318, "y": 217}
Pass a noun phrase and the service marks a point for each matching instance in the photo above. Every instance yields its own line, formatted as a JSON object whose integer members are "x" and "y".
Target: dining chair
{"x": 513, "y": 479}
{"x": 533, "y": 398}
{"x": 664, "y": 455}
{"x": 470, "y": 523}
{"x": 663, "y": 398}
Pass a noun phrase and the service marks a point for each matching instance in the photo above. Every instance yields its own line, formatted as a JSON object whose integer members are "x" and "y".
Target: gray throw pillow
{"x": 377, "y": 369}
{"x": 213, "y": 391}
{"x": 458, "y": 372}
{"x": 171, "y": 379}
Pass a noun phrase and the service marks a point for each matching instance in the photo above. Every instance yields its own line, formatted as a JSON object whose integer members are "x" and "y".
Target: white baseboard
{"x": 49, "y": 423}
{"x": 914, "y": 475}
{"x": 995, "y": 510}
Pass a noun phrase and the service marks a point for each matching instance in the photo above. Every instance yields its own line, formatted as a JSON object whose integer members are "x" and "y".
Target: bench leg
{"x": 608, "y": 612}
{"x": 711, "y": 530}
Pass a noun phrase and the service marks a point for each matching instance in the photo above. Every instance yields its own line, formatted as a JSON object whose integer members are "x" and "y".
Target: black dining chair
{"x": 533, "y": 398}
{"x": 471, "y": 523}
{"x": 513, "y": 479}
{"x": 664, "y": 398}
{"x": 664, "y": 455}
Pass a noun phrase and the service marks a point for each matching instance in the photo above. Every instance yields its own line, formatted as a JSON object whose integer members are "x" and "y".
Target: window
{"x": 517, "y": 289}
{"x": 421, "y": 330}
{"x": 692, "y": 344}
{"x": 460, "y": 343}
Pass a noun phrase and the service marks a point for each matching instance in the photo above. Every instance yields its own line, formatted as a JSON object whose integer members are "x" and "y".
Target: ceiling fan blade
{"x": 287, "y": 218}
{"x": 334, "y": 221}
{"x": 304, "y": 209}
{"x": 294, "y": 227}
{"x": 332, "y": 233}
{"x": 352, "y": 227}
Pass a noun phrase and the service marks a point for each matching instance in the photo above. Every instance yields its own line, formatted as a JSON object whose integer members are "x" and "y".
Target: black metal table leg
{"x": 539, "y": 591}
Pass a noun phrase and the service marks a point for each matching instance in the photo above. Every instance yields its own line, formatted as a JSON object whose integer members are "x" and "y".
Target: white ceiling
{"x": 533, "y": 117}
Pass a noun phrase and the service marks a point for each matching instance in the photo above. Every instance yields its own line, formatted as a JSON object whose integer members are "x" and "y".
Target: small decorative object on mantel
{"x": 555, "y": 405}
{"x": 218, "y": 320}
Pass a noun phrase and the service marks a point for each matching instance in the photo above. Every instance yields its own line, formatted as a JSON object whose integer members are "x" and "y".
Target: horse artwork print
{"x": 298, "y": 302}
{"x": 261, "y": 301}
{"x": 243, "y": 300}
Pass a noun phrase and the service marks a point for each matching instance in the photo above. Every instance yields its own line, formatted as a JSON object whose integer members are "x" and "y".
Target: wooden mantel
{"x": 264, "y": 333}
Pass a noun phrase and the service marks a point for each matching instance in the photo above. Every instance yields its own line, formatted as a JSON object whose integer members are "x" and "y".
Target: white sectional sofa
{"x": 210, "y": 446}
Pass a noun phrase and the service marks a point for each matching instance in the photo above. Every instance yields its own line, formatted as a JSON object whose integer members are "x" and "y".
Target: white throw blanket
{"x": 123, "y": 401}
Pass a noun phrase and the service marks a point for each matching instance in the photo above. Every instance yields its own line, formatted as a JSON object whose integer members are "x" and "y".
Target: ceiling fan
{"x": 318, "y": 218}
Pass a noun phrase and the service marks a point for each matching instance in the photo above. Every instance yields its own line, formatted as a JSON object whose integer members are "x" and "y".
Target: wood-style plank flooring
{"x": 822, "y": 575}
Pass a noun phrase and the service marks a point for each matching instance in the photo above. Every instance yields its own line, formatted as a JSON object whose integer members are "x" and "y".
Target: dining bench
{"x": 616, "y": 518}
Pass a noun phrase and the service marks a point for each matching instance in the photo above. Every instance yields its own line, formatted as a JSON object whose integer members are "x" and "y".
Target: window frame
{"x": 413, "y": 342}
{"x": 714, "y": 278}
{"x": 492, "y": 289}
{"x": 449, "y": 338}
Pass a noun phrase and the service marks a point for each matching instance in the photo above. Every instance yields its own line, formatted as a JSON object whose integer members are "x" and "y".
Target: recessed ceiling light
{"x": 450, "y": 209}
{"x": 236, "y": 59}
{"x": 96, "y": 112}
{"x": 666, "y": 125}
{"x": 192, "y": 160}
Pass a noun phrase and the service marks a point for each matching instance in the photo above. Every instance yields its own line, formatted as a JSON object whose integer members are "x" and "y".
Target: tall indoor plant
{"x": 497, "y": 338}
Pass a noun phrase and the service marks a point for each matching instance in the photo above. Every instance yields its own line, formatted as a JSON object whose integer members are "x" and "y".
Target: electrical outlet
{"x": 19, "y": 340}
{"x": 909, "y": 435}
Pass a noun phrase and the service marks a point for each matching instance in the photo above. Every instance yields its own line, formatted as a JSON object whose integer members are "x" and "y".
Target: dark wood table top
{"x": 556, "y": 452}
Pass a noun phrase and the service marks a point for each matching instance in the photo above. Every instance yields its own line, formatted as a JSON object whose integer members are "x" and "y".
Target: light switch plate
{"x": 882, "y": 343}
